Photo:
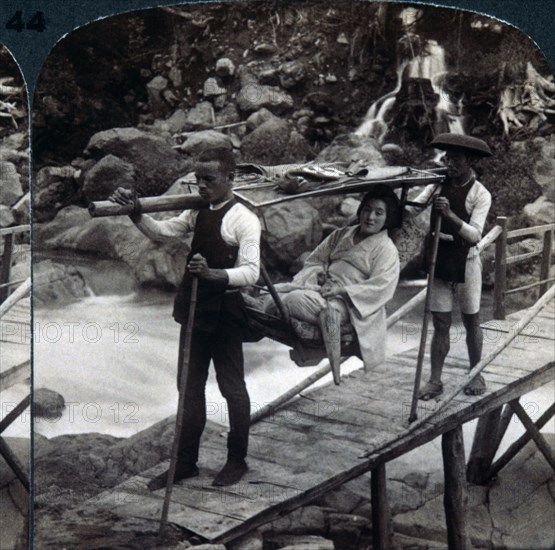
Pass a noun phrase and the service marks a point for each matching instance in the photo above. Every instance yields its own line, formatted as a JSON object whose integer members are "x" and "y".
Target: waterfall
{"x": 429, "y": 65}
{"x": 374, "y": 124}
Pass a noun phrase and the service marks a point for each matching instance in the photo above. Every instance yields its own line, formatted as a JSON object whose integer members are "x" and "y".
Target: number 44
{"x": 36, "y": 23}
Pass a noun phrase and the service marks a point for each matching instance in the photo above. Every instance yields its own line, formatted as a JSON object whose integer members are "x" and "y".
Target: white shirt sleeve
{"x": 478, "y": 203}
{"x": 168, "y": 230}
{"x": 240, "y": 227}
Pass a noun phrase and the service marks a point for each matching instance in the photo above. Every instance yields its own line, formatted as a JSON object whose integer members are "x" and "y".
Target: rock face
{"x": 156, "y": 164}
{"x": 275, "y": 142}
{"x": 55, "y": 187}
{"x": 292, "y": 228}
{"x": 544, "y": 173}
{"x": 100, "y": 179}
{"x": 48, "y": 403}
{"x": 10, "y": 184}
{"x": 150, "y": 263}
{"x": 200, "y": 117}
{"x": 512, "y": 512}
{"x": 540, "y": 212}
{"x": 351, "y": 148}
{"x": 205, "y": 139}
{"x": 253, "y": 97}
{"x": 57, "y": 284}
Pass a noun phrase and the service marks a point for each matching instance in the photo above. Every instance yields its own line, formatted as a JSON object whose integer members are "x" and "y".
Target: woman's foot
{"x": 430, "y": 390}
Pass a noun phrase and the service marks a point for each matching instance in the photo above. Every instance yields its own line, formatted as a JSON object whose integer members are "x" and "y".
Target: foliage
{"x": 508, "y": 176}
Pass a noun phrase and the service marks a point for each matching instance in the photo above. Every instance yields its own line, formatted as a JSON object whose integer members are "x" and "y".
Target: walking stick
{"x": 180, "y": 405}
{"x": 413, "y": 416}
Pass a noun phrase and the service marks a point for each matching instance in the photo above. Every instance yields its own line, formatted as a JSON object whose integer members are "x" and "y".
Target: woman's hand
{"x": 331, "y": 290}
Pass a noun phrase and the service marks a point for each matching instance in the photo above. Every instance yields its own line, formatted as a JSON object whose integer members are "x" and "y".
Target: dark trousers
{"x": 225, "y": 348}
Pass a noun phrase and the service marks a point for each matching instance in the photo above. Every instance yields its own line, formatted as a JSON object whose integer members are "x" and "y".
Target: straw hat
{"x": 459, "y": 142}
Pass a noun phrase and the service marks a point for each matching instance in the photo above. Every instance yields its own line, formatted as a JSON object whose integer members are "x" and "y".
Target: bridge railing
{"x": 7, "y": 234}
{"x": 502, "y": 236}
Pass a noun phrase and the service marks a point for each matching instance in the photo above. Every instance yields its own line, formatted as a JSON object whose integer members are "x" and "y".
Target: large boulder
{"x": 176, "y": 122}
{"x": 225, "y": 67}
{"x": 292, "y": 228}
{"x": 351, "y": 148}
{"x": 200, "y": 117}
{"x": 258, "y": 118}
{"x": 544, "y": 172}
{"x": 10, "y": 184}
{"x": 205, "y": 139}
{"x": 291, "y": 73}
{"x": 57, "y": 284}
{"x": 48, "y": 403}
{"x": 106, "y": 175}
{"x": 151, "y": 263}
{"x": 228, "y": 115}
{"x": 6, "y": 216}
{"x": 54, "y": 188}
{"x": 253, "y": 97}
{"x": 155, "y": 89}
{"x": 275, "y": 142}
{"x": 540, "y": 212}
{"x": 157, "y": 165}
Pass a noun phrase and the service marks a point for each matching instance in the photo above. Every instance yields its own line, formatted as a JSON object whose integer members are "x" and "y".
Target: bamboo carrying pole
{"x": 165, "y": 203}
{"x": 431, "y": 271}
{"x": 181, "y": 404}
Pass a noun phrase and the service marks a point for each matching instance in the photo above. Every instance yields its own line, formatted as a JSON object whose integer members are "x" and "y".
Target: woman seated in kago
{"x": 349, "y": 278}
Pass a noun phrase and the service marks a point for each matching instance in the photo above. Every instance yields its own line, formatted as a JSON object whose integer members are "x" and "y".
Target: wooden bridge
{"x": 15, "y": 369}
{"x": 15, "y": 342}
{"x": 330, "y": 435}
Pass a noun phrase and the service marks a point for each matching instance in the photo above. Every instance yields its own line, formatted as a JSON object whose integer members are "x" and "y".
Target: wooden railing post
{"x": 500, "y": 270}
{"x": 381, "y": 526}
{"x": 6, "y": 266}
{"x": 456, "y": 493}
{"x": 546, "y": 260}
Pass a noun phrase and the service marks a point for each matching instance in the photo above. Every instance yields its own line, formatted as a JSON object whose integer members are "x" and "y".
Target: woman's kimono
{"x": 368, "y": 272}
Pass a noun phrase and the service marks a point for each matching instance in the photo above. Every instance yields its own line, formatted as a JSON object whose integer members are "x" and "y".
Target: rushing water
{"x": 430, "y": 64}
{"x": 113, "y": 359}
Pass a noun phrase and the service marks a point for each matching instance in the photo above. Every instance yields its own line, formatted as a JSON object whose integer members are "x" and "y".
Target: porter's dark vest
{"x": 451, "y": 255}
{"x": 208, "y": 241}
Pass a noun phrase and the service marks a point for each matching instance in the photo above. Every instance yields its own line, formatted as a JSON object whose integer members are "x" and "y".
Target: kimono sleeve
{"x": 367, "y": 297}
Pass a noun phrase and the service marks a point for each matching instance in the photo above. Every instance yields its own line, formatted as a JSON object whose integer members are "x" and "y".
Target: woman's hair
{"x": 386, "y": 194}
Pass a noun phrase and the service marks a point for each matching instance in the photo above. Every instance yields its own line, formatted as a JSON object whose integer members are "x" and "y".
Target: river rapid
{"x": 113, "y": 359}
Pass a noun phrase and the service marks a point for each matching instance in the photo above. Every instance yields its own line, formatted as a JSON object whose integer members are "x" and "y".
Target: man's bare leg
{"x": 439, "y": 350}
{"x": 474, "y": 343}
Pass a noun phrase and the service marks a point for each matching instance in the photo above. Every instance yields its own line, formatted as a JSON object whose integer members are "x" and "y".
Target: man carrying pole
{"x": 225, "y": 255}
{"x": 463, "y": 204}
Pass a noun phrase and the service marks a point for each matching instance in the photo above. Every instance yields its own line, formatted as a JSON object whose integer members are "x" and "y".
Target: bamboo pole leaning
{"x": 180, "y": 405}
{"x": 424, "y": 333}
